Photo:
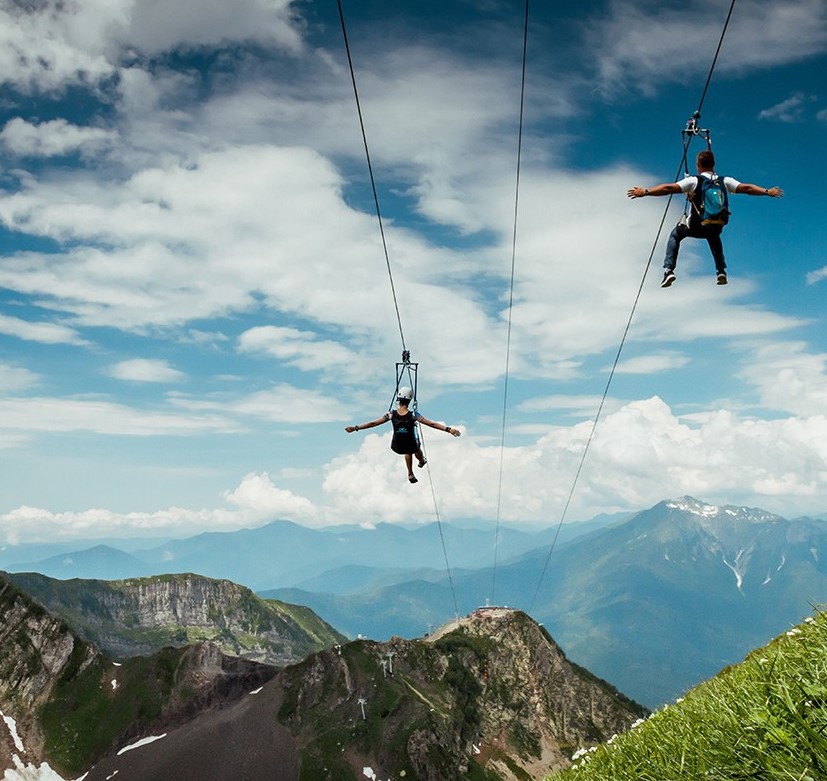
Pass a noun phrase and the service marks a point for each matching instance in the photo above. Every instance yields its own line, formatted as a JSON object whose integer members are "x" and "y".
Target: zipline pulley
{"x": 406, "y": 370}
{"x": 693, "y": 129}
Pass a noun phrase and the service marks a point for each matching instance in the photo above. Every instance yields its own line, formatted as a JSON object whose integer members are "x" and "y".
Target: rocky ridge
{"x": 66, "y": 704}
{"x": 493, "y": 697}
{"x": 139, "y": 616}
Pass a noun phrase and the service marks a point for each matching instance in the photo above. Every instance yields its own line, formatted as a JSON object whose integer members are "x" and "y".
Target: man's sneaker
{"x": 669, "y": 278}
{"x": 721, "y": 278}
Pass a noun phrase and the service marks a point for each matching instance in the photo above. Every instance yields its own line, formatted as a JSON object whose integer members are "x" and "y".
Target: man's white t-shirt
{"x": 688, "y": 183}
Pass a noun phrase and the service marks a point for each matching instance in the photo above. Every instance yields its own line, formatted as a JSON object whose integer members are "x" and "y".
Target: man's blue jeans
{"x": 712, "y": 234}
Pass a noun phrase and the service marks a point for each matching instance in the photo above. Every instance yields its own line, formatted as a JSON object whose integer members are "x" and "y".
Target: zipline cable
{"x": 629, "y": 321}
{"x": 405, "y": 352}
{"x": 370, "y": 172}
{"x": 510, "y": 306}
{"x": 441, "y": 533}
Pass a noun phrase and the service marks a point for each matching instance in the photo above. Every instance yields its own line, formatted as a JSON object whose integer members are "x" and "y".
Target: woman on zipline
{"x": 405, "y": 438}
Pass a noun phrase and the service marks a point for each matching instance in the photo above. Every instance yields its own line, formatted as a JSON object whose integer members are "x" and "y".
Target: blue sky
{"x": 193, "y": 293}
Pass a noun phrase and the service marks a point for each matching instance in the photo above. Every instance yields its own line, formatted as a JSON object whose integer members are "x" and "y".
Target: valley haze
{"x": 653, "y": 601}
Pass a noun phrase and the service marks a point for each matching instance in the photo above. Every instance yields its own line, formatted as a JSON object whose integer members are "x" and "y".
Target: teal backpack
{"x": 710, "y": 201}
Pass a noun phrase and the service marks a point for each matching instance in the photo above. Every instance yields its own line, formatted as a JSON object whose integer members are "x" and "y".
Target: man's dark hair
{"x": 706, "y": 160}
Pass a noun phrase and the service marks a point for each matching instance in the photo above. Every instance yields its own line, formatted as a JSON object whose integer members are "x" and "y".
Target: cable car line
{"x": 370, "y": 172}
{"x": 405, "y": 365}
{"x": 510, "y": 307}
{"x": 687, "y": 140}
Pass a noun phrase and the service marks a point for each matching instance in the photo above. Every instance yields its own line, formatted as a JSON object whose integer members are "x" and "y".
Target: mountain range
{"x": 285, "y": 554}
{"x": 654, "y": 602}
{"x": 490, "y": 697}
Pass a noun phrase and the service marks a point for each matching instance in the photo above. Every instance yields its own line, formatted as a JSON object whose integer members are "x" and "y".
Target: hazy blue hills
{"x": 283, "y": 554}
{"x": 101, "y": 562}
{"x": 654, "y": 604}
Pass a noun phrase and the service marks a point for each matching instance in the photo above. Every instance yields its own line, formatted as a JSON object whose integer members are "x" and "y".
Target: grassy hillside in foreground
{"x": 765, "y": 718}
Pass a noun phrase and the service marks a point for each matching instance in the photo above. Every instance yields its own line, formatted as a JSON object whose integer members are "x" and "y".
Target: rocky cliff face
{"x": 493, "y": 698}
{"x": 65, "y": 703}
{"x": 35, "y": 651}
{"x": 140, "y": 616}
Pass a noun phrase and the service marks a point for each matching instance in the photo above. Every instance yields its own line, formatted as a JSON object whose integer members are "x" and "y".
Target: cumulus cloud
{"x": 48, "y": 139}
{"x": 279, "y": 403}
{"x": 640, "y": 45}
{"x": 226, "y": 204}
{"x": 790, "y": 110}
{"x": 46, "y": 333}
{"x": 16, "y": 378}
{"x": 789, "y": 377}
{"x": 31, "y": 414}
{"x": 640, "y": 453}
{"x": 145, "y": 370}
{"x": 51, "y": 44}
{"x": 260, "y": 500}
{"x": 256, "y": 500}
{"x": 302, "y": 349}
{"x": 285, "y": 403}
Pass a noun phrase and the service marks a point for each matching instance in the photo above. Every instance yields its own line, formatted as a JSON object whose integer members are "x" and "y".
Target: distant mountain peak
{"x": 693, "y": 506}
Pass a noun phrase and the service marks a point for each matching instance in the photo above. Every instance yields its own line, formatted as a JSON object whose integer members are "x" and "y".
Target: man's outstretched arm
{"x": 754, "y": 189}
{"x": 670, "y": 188}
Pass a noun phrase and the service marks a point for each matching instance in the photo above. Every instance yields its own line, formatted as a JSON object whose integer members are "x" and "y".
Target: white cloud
{"x": 640, "y": 45}
{"x": 49, "y": 44}
{"x": 259, "y": 499}
{"x": 652, "y": 364}
{"x": 186, "y": 242}
{"x": 43, "y": 48}
{"x": 639, "y": 454}
{"x": 285, "y": 403}
{"x": 43, "y": 414}
{"x": 298, "y": 348}
{"x": 56, "y": 137}
{"x": 790, "y": 110}
{"x": 254, "y": 501}
{"x": 280, "y": 403}
{"x": 145, "y": 370}
{"x": 157, "y": 26}
{"x": 579, "y": 406}
{"x": 46, "y": 333}
{"x": 16, "y": 378}
{"x": 789, "y": 377}
{"x": 817, "y": 275}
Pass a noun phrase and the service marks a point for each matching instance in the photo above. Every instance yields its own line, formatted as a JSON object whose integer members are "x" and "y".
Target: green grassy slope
{"x": 765, "y": 718}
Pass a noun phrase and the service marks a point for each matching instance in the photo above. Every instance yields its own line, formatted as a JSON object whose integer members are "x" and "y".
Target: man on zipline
{"x": 709, "y": 211}
{"x": 405, "y": 438}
